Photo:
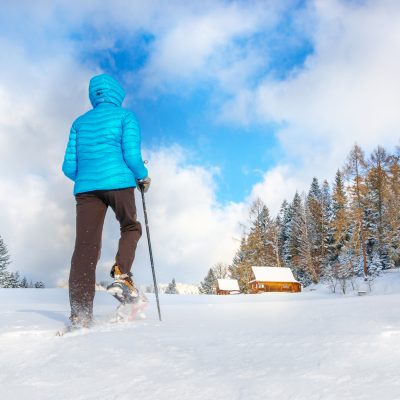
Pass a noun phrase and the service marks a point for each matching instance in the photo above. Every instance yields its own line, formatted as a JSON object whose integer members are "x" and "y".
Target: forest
{"x": 333, "y": 233}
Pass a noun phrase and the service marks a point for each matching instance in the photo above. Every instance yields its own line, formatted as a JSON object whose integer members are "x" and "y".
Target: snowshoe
{"x": 131, "y": 311}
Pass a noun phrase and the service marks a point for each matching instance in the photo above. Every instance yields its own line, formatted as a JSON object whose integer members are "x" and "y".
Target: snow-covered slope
{"x": 311, "y": 345}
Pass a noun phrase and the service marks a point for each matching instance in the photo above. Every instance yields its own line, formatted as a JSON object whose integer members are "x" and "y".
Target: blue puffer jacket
{"x": 103, "y": 150}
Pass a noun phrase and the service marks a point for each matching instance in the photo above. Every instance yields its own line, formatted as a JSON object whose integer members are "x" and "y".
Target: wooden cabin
{"x": 227, "y": 286}
{"x": 273, "y": 279}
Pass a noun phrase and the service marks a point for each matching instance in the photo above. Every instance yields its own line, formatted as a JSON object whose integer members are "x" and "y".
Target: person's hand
{"x": 144, "y": 184}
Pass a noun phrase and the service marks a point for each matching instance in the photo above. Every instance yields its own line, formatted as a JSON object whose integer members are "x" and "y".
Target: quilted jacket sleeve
{"x": 131, "y": 146}
{"x": 70, "y": 164}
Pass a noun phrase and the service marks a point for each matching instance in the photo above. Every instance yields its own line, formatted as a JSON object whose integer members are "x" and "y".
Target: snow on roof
{"x": 273, "y": 274}
{"x": 228, "y": 284}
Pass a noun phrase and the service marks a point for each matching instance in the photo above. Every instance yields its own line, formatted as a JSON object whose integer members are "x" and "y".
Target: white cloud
{"x": 278, "y": 184}
{"x": 347, "y": 91}
{"x": 191, "y": 230}
{"x": 201, "y": 46}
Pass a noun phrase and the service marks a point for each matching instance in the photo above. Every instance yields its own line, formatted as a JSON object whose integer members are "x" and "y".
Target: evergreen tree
{"x": 316, "y": 229}
{"x": 340, "y": 218}
{"x": 391, "y": 233}
{"x": 261, "y": 238}
{"x": 39, "y": 285}
{"x": 240, "y": 268}
{"x": 209, "y": 284}
{"x": 171, "y": 289}
{"x": 14, "y": 280}
{"x": 377, "y": 204}
{"x": 24, "y": 283}
{"x": 299, "y": 245}
{"x": 5, "y": 275}
{"x": 285, "y": 217}
{"x": 327, "y": 225}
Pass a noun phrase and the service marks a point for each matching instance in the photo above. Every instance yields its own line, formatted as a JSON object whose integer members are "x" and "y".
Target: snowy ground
{"x": 312, "y": 345}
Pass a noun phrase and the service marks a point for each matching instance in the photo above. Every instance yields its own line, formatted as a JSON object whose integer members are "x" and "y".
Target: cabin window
{"x": 261, "y": 286}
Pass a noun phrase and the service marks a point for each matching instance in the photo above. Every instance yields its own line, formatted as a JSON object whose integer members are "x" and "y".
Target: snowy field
{"x": 312, "y": 345}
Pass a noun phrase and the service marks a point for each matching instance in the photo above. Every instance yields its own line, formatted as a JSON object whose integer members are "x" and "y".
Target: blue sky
{"x": 236, "y": 100}
{"x": 186, "y": 113}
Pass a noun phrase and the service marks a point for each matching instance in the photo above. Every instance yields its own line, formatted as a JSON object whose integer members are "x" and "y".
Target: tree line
{"x": 334, "y": 233}
{"x": 10, "y": 279}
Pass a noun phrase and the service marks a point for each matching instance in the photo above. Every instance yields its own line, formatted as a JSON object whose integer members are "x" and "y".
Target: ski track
{"x": 277, "y": 346}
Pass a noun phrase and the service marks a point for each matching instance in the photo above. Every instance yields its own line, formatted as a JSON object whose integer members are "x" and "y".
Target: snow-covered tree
{"x": 314, "y": 206}
{"x": 331, "y": 275}
{"x": 376, "y": 209}
{"x": 347, "y": 267}
{"x": 240, "y": 268}
{"x": 355, "y": 171}
{"x": 391, "y": 234}
{"x": 262, "y": 237}
{"x": 286, "y": 217}
{"x": 24, "y": 283}
{"x": 5, "y": 276}
{"x": 209, "y": 284}
{"x": 14, "y": 280}
{"x": 171, "y": 288}
{"x": 299, "y": 244}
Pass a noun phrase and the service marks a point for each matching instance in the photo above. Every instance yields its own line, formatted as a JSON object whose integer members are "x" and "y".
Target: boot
{"x": 123, "y": 288}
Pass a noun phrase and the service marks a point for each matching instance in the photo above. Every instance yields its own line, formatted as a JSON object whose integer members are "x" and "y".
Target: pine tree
{"x": 171, "y": 289}
{"x": 316, "y": 231}
{"x": 209, "y": 284}
{"x": 377, "y": 204}
{"x": 261, "y": 239}
{"x": 24, "y": 283}
{"x": 14, "y": 281}
{"x": 240, "y": 268}
{"x": 391, "y": 233}
{"x": 299, "y": 245}
{"x": 285, "y": 216}
{"x": 5, "y": 275}
{"x": 39, "y": 285}
{"x": 327, "y": 225}
{"x": 340, "y": 218}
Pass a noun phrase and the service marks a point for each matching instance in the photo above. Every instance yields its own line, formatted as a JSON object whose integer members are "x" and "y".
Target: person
{"x": 103, "y": 158}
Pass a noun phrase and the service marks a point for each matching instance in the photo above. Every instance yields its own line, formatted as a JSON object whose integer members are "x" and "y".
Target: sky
{"x": 235, "y": 100}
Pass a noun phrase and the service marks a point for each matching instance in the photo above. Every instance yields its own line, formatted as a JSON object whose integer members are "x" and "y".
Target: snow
{"x": 228, "y": 284}
{"x": 273, "y": 274}
{"x": 310, "y": 345}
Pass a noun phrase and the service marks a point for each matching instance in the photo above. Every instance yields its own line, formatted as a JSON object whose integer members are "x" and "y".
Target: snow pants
{"x": 91, "y": 208}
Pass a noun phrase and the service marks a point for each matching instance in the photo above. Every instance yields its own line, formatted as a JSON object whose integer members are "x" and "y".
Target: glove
{"x": 144, "y": 184}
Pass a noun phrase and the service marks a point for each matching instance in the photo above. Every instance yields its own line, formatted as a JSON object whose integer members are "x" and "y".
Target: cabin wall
{"x": 259, "y": 287}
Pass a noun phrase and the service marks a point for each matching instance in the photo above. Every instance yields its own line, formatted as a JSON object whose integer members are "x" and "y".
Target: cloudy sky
{"x": 236, "y": 99}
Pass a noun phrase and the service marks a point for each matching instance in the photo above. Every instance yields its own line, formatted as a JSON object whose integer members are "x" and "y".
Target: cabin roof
{"x": 272, "y": 274}
{"x": 228, "y": 284}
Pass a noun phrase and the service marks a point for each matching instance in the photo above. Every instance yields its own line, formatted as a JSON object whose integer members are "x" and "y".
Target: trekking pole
{"x": 150, "y": 250}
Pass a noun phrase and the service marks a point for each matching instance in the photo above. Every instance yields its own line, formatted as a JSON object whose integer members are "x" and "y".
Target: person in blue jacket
{"x": 103, "y": 158}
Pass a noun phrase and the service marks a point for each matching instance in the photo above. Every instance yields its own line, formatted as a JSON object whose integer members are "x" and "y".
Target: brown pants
{"x": 91, "y": 208}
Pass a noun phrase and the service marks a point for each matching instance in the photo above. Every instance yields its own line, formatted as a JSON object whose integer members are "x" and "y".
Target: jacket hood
{"x": 105, "y": 89}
